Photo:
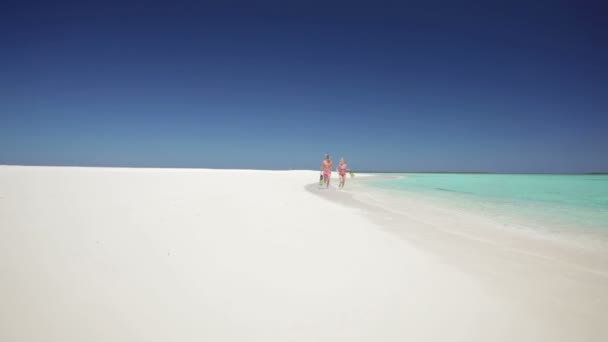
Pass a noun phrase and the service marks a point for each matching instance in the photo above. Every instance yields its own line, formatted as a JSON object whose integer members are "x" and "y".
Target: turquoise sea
{"x": 554, "y": 202}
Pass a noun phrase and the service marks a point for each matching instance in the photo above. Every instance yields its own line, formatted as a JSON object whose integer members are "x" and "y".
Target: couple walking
{"x": 326, "y": 167}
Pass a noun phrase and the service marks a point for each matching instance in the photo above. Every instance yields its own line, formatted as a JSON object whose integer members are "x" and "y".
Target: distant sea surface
{"x": 566, "y": 203}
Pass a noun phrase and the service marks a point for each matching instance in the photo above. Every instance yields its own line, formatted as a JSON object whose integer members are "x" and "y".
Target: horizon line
{"x": 296, "y": 169}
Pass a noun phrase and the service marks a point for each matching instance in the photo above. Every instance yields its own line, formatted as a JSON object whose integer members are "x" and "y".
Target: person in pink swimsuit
{"x": 342, "y": 170}
{"x": 326, "y": 167}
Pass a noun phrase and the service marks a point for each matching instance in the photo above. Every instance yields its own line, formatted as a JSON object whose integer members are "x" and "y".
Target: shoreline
{"x": 389, "y": 209}
{"x": 543, "y": 276}
{"x": 584, "y": 236}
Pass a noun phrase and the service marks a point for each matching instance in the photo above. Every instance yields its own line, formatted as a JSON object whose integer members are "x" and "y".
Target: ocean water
{"x": 569, "y": 203}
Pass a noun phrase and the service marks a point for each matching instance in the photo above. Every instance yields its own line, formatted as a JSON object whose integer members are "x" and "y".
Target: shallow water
{"x": 556, "y": 203}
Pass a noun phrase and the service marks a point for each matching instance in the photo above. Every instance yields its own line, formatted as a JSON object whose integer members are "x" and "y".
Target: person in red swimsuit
{"x": 326, "y": 167}
{"x": 342, "y": 170}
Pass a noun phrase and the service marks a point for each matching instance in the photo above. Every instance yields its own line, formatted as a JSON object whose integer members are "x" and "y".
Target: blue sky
{"x": 426, "y": 86}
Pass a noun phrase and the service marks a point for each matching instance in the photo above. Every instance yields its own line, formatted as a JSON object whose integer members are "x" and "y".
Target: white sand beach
{"x": 118, "y": 254}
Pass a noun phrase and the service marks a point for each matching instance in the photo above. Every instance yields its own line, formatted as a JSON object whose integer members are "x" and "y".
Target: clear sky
{"x": 520, "y": 86}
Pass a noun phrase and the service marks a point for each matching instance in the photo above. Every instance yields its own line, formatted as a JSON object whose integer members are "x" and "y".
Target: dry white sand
{"x": 102, "y": 254}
